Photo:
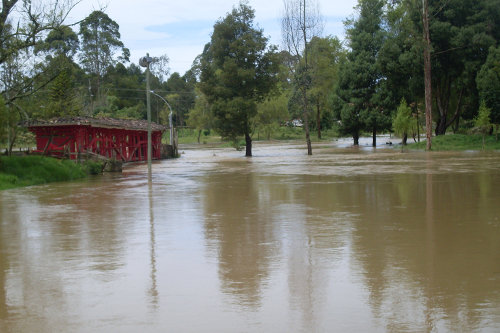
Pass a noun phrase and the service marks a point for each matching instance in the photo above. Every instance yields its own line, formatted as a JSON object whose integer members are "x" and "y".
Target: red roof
{"x": 130, "y": 124}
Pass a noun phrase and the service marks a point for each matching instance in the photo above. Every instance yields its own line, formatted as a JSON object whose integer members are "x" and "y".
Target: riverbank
{"x": 19, "y": 171}
{"x": 459, "y": 142}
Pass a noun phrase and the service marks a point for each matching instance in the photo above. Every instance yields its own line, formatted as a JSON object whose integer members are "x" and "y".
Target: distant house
{"x": 120, "y": 139}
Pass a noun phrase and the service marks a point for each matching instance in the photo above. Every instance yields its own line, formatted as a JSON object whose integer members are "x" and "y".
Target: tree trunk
{"x": 199, "y": 135}
{"x": 355, "y": 137}
{"x": 248, "y": 145}
{"x": 374, "y": 136}
{"x": 418, "y": 125}
{"x": 441, "y": 126}
{"x": 308, "y": 135}
{"x": 405, "y": 139}
{"x": 318, "y": 119}
{"x": 306, "y": 120}
{"x": 12, "y": 140}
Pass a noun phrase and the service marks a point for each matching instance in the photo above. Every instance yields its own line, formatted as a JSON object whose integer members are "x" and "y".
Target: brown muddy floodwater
{"x": 348, "y": 240}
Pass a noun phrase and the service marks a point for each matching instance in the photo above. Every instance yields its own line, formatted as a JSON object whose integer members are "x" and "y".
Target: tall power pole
{"x": 427, "y": 74}
{"x": 146, "y": 62}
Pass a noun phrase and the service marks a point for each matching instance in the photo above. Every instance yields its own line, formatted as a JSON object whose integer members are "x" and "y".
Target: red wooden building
{"x": 120, "y": 139}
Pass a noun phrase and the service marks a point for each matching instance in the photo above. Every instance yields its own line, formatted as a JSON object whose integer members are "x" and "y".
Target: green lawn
{"x": 18, "y": 171}
{"x": 459, "y": 142}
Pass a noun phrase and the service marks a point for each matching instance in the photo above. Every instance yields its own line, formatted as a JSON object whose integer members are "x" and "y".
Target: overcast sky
{"x": 181, "y": 28}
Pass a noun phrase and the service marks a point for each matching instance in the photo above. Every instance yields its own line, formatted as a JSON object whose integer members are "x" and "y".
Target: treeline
{"x": 373, "y": 82}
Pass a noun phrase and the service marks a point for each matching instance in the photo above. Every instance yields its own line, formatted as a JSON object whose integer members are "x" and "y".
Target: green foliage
{"x": 482, "y": 121}
{"x": 100, "y": 39}
{"x": 200, "y": 117}
{"x": 60, "y": 41}
{"x": 400, "y": 58}
{"x": 190, "y": 136}
{"x": 62, "y": 99}
{"x": 181, "y": 96}
{"x": 488, "y": 83}
{"x": 403, "y": 122}
{"x": 93, "y": 167}
{"x": 359, "y": 78}
{"x": 18, "y": 171}
{"x": 325, "y": 57}
{"x": 461, "y": 35}
{"x": 271, "y": 113}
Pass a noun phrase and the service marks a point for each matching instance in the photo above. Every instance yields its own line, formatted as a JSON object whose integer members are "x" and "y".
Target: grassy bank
{"x": 459, "y": 142}
{"x": 18, "y": 171}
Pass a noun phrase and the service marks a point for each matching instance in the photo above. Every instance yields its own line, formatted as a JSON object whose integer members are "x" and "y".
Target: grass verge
{"x": 18, "y": 171}
{"x": 459, "y": 142}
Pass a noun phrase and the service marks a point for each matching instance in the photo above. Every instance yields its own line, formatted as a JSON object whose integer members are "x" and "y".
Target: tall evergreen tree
{"x": 359, "y": 78}
{"x": 238, "y": 69}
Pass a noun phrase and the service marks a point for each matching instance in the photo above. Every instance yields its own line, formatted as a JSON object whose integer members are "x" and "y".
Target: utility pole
{"x": 427, "y": 75}
{"x": 145, "y": 62}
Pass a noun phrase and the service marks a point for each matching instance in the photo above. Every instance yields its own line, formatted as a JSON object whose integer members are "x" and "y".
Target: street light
{"x": 169, "y": 118}
{"x": 146, "y": 62}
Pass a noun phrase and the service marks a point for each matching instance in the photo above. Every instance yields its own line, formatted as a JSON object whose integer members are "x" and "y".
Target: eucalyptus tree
{"x": 238, "y": 70}
{"x": 100, "y": 41}
{"x": 301, "y": 22}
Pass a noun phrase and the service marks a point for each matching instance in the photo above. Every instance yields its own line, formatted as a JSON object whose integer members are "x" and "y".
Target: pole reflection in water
{"x": 429, "y": 244}
{"x": 153, "y": 291}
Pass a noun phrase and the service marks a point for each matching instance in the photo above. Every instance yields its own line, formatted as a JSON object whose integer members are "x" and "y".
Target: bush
{"x": 93, "y": 167}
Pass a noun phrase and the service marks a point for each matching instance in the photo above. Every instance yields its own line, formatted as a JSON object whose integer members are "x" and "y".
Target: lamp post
{"x": 169, "y": 118}
{"x": 146, "y": 62}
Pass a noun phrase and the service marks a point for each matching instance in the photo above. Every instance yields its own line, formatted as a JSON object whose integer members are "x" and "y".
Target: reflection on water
{"x": 346, "y": 240}
{"x": 154, "y": 288}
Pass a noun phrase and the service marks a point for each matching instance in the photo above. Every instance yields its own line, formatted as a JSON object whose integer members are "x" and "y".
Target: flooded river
{"x": 348, "y": 240}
